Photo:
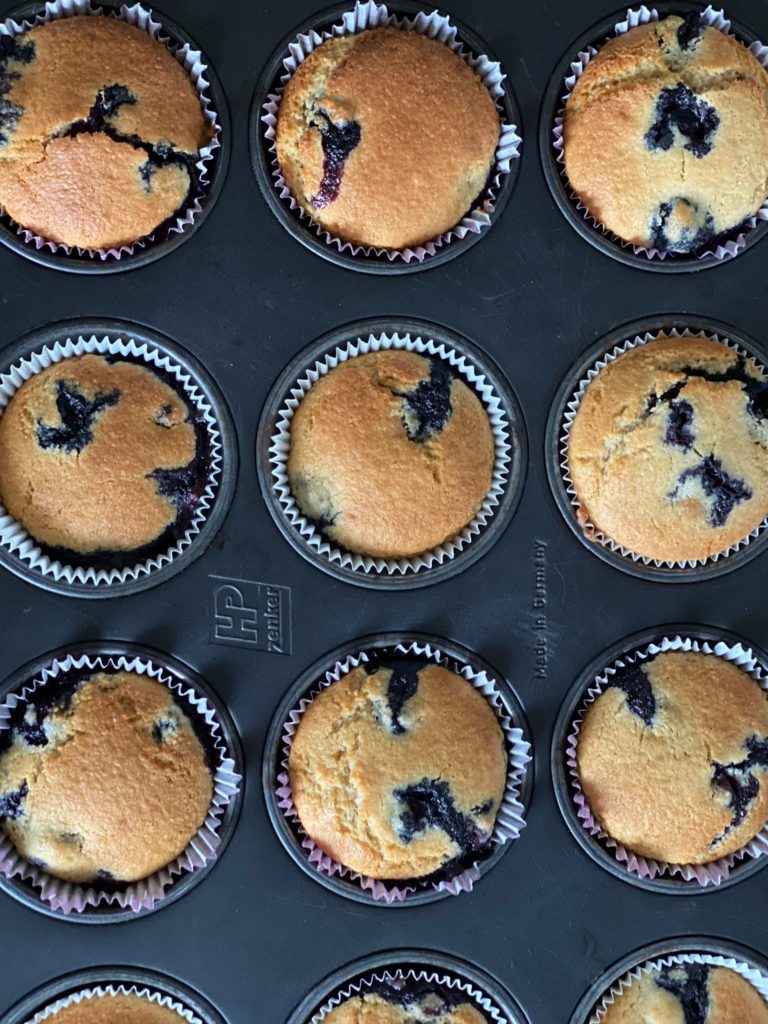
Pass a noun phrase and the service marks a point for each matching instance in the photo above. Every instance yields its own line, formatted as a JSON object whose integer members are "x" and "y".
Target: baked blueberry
{"x": 691, "y": 993}
{"x": 115, "y": 1009}
{"x": 99, "y": 130}
{"x": 407, "y": 1002}
{"x": 666, "y": 135}
{"x": 391, "y": 454}
{"x": 398, "y": 773}
{"x": 113, "y": 462}
{"x": 673, "y": 758}
{"x": 668, "y": 450}
{"x": 386, "y": 138}
{"x": 117, "y": 789}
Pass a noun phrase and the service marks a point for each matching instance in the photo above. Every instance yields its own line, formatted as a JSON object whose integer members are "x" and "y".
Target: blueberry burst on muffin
{"x": 391, "y": 454}
{"x": 668, "y": 450}
{"x": 398, "y": 769}
{"x": 666, "y": 135}
{"x": 386, "y": 138}
{"x": 102, "y": 778}
{"x": 673, "y": 757}
{"x": 403, "y": 1001}
{"x": 693, "y": 993}
{"x": 99, "y": 130}
{"x": 100, "y": 457}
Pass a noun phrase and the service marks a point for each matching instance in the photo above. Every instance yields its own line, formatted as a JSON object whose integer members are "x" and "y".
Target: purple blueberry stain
{"x": 679, "y": 110}
{"x": 636, "y": 685}
{"x": 403, "y": 684}
{"x": 429, "y": 1000}
{"x": 12, "y": 801}
{"x": 689, "y": 33}
{"x": 725, "y": 491}
{"x": 738, "y": 779}
{"x": 162, "y": 729}
{"x": 11, "y": 51}
{"x": 429, "y": 403}
{"x": 78, "y": 415}
{"x": 429, "y": 804}
{"x": 688, "y": 983}
{"x": 685, "y": 239}
{"x": 679, "y": 432}
{"x": 338, "y": 139}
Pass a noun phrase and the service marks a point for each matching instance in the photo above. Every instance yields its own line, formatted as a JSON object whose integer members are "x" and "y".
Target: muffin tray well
{"x": 243, "y": 297}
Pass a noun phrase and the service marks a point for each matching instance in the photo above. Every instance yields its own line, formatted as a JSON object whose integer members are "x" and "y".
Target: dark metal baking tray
{"x": 244, "y": 298}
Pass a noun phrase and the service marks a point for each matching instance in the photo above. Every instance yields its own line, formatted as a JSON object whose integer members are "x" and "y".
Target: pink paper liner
{"x": 569, "y": 415}
{"x": 510, "y": 819}
{"x": 368, "y": 14}
{"x": 69, "y": 897}
{"x": 712, "y": 873}
{"x": 192, "y": 62}
{"x": 642, "y": 16}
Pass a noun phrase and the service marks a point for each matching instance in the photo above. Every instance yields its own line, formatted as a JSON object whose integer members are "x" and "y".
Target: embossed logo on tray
{"x": 246, "y": 613}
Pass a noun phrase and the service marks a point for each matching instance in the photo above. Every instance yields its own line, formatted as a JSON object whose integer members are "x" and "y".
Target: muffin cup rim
{"x": 35, "y": 1001}
{"x": 210, "y": 92}
{"x": 572, "y": 386}
{"x": 510, "y": 464}
{"x": 577, "y": 215}
{"x": 519, "y": 780}
{"x": 315, "y": 238}
{"x": 674, "y": 946}
{"x": 192, "y": 377}
{"x": 669, "y": 883}
{"x": 108, "y": 909}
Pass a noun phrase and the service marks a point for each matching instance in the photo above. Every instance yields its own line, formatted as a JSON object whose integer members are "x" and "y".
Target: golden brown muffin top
{"x": 386, "y": 137}
{"x": 399, "y": 769}
{"x": 689, "y": 992}
{"x": 391, "y": 454}
{"x": 118, "y": 1009}
{"x": 666, "y": 134}
{"x": 110, "y": 783}
{"x": 79, "y": 444}
{"x": 423, "y": 1008}
{"x": 668, "y": 450}
{"x": 99, "y": 121}
{"x": 672, "y": 757}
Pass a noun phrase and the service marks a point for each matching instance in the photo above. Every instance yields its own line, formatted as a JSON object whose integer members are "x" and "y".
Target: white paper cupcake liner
{"x": 716, "y": 871}
{"x": 22, "y": 546}
{"x": 750, "y": 974}
{"x": 450, "y": 982}
{"x": 367, "y": 15}
{"x": 280, "y": 448}
{"x": 712, "y": 17}
{"x": 572, "y": 408}
{"x": 195, "y": 66}
{"x": 97, "y": 991}
{"x": 510, "y": 819}
{"x": 69, "y": 897}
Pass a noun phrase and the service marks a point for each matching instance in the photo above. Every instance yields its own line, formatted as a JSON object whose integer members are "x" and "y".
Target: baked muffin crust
{"x": 390, "y": 454}
{"x": 118, "y": 1009}
{"x": 397, "y": 770}
{"x": 107, "y": 783}
{"x": 386, "y": 138}
{"x": 87, "y": 453}
{"x": 689, "y": 992}
{"x": 672, "y": 757}
{"x": 98, "y": 126}
{"x": 668, "y": 450}
{"x": 406, "y": 1005}
{"x": 666, "y": 135}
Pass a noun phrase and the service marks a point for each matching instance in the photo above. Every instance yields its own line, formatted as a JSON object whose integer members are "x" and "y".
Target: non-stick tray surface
{"x": 244, "y": 297}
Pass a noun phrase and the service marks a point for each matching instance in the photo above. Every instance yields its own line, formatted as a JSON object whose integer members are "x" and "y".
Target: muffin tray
{"x": 257, "y": 937}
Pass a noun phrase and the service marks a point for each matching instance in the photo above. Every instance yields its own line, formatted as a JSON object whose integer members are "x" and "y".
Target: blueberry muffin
{"x": 666, "y": 135}
{"x": 398, "y": 769}
{"x": 98, "y": 456}
{"x": 672, "y": 757}
{"x": 103, "y": 779}
{"x": 386, "y": 138}
{"x": 668, "y": 451}
{"x": 690, "y": 992}
{"x": 99, "y": 129}
{"x": 391, "y": 454}
{"x": 406, "y": 1002}
{"x": 117, "y": 1009}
